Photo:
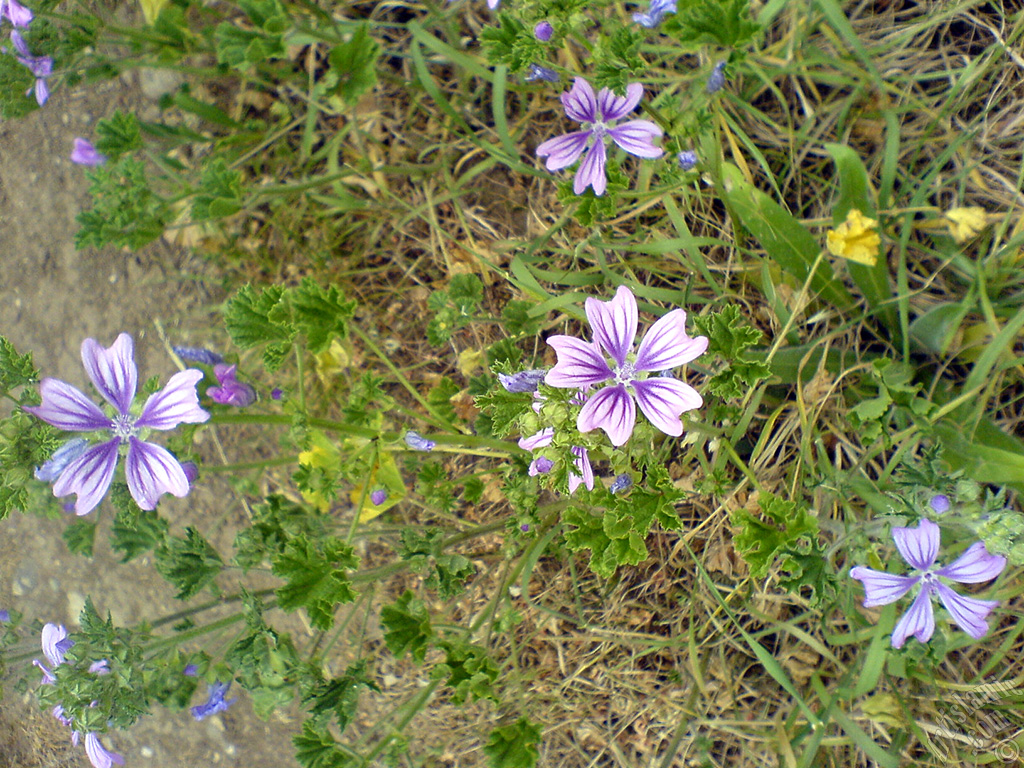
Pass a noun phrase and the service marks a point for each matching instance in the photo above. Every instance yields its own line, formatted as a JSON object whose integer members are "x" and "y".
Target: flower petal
{"x": 112, "y": 370}
{"x": 666, "y": 344}
{"x": 882, "y": 588}
{"x": 177, "y": 403}
{"x": 152, "y": 471}
{"x": 974, "y": 566}
{"x": 919, "y": 621}
{"x": 540, "y": 440}
{"x": 591, "y": 171}
{"x": 580, "y": 364}
{"x": 614, "y": 323}
{"x": 968, "y": 612}
{"x": 55, "y": 643}
{"x": 68, "y": 408}
{"x": 98, "y": 756}
{"x": 562, "y": 151}
{"x": 88, "y": 476}
{"x": 636, "y": 137}
{"x": 586, "y": 472}
{"x": 663, "y": 400}
{"x": 918, "y": 546}
{"x": 611, "y": 409}
{"x": 612, "y": 107}
{"x": 579, "y": 102}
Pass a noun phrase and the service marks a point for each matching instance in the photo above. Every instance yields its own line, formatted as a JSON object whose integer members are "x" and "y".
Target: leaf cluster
{"x": 317, "y": 577}
{"x": 729, "y": 337}
{"x": 454, "y": 307}
{"x": 444, "y": 572}
{"x": 263, "y": 40}
{"x": 125, "y": 210}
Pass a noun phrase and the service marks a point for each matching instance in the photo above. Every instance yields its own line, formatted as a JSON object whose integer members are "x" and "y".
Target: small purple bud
{"x": 523, "y": 381}
{"x": 716, "y": 80}
{"x": 276, "y": 393}
{"x": 84, "y": 153}
{"x": 191, "y": 670}
{"x": 543, "y": 31}
{"x": 198, "y": 355}
{"x": 940, "y": 503}
{"x": 621, "y": 483}
{"x": 524, "y": 527}
{"x": 537, "y": 72}
{"x": 231, "y": 391}
{"x": 540, "y": 466}
{"x": 191, "y": 470}
{"x": 687, "y": 160}
{"x": 418, "y": 442}
{"x": 378, "y": 497}
{"x": 5, "y": 615}
{"x": 60, "y": 459}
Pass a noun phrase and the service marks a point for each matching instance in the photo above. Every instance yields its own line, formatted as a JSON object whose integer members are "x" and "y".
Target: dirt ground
{"x": 51, "y": 298}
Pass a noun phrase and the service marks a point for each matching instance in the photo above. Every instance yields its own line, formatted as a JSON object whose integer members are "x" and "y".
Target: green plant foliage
{"x": 511, "y": 42}
{"x": 219, "y": 194}
{"x": 722, "y": 22}
{"x": 440, "y": 398}
{"x": 513, "y": 745}
{"x": 189, "y": 563}
{"x": 454, "y": 308}
{"x": 317, "y": 576}
{"x": 895, "y": 386}
{"x": 265, "y": 662}
{"x": 407, "y": 627}
{"x": 730, "y": 337}
{"x": 80, "y": 536}
{"x": 118, "y": 134}
{"x": 340, "y": 695}
{"x": 316, "y": 748}
{"x": 276, "y": 523}
{"x": 353, "y": 65}
{"x": 470, "y": 672}
{"x": 25, "y": 442}
{"x": 15, "y": 370}
{"x": 245, "y": 48}
{"x": 134, "y": 531}
{"x": 445, "y": 573}
{"x": 125, "y": 210}
{"x": 784, "y": 527}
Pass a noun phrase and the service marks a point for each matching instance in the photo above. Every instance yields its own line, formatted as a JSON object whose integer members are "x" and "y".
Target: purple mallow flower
{"x": 919, "y": 548}
{"x": 687, "y": 160}
{"x": 84, "y": 153}
{"x": 60, "y": 459}
{"x": 40, "y": 66}
{"x": 582, "y": 365}
{"x": 418, "y": 442}
{"x": 620, "y": 483}
{"x": 537, "y": 72}
{"x": 191, "y": 670}
{"x": 543, "y": 31}
{"x": 150, "y": 470}
{"x": 231, "y": 391}
{"x": 215, "y": 701}
{"x": 523, "y": 381}
{"x": 600, "y": 115}
{"x": 716, "y": 80}
{"x": 55, "y": 643}
{"x": 656, "y": 12}
{"x": 939, "y": 503}
{"x": 19, "y": 15}
{"x": 98, "y": 755}
{"x": 378, "y": 497}
{"x": 276, "y": 393}
{"x": 5, "y": 615}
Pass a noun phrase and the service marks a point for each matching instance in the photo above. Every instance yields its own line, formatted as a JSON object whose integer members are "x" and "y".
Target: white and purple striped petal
{"x": 586, "y": 472}
{"x": 540, "y": 440}
{"x": 112, "y": 370}
{"x": 918, "y": 546}
{"x": 591, "y": 171}
{"x": 89, "y": 476}
{"x": 580, "y": 364}
{"x": 612, "y": 107}
{"x": 666, "y": 344}
{"x": 662, "y": 401}
{"x": 562, "y": 151}
{"x": 919, "y": 621}
{"x": 19, "y": 15}
{"x": 636, "y": 137}
{"x": 968, "y": 612}
{"x": 55, "y": 643}
{"x": 614, "y": 323}
{"x": 68, "y": 408}
{"x": 152, "y": 471}
{"x": 882, "y": 588}
{"x": 177, "y": 403}
{"x": 98, "y": 755}
{"x": 974, "y": 566}
{"x": 612, "y": 409}
{"x": 580, "y": 103}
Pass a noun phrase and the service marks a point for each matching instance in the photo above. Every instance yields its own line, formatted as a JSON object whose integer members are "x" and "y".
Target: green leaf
{"x": 514, "y": 745}
{"x": 316, "y": 748}
{"x": 808, "y": 575}
{"x": 340, "y": 695}
{"x": 445, "y": 573}
{"x": 189, "y": 563}
{"x": 275, "y": 523}
{"x": 125, "y": 211}
{"x": 440, "y": 398}
{"x": 319, "y": 313}
{"x": 317, "y": 578}
{"x": 726, "y": 23}
{"x": 407, "y": 627}
{"x": 79, "y": 536}
{"x": 220, "y": 192}
{"x": 15, "y": 370}
{"x": 518, "y": 321}
{"x": 118, "y": 134}
{"x": 25, "y": 442}
{"x": 247, "y": 317}
{"x": 354, "y": 65}
{"x": 135, "y": 531}
{"x": 471, "y": 672}
{"x": 784, "y": 527}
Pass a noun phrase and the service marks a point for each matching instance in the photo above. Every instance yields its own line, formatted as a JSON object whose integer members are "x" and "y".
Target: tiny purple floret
{"x": 215, "y": 702}
{"x": 276, "y": 393}
{"x": 378, "y": 497}
{"x": 200, "y": 355}
{"x": 418, "y": 442}
{"x": 621, "y": 483}
{"x": 543, "y": 31}
{"x": 40, "y": 66}
{"x": 716, "y": 80}
{"x": 5, "y": 615}
{"x": 687, "y": 160}
{"x": 84, "y": 153}
{"x": 540, "y": 466}
{"x": 939, "y": 503}
{"x": 537, "y": 72}
{"x": 231, "y": 391}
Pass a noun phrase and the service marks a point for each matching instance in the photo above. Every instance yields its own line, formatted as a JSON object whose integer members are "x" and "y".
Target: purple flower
{"x": 582, "y": 365}
{"x": 19, "y": 15}
{"x": 231, "y": 391}
{"x": 540, "y": 466}
{"x": 543, "y": 31}
{"x": 523, "y": 381}
{"x": 63, "y": 456}
{"x": 687, "y": 160}
{"x": 599, "y": 114}
{"x": 655, "y": 13}
{"x": 40, "y": 66}
{"x": 584, "y": 473}
{"x": 55, "y": 643}
{"x": 215, "y": 702}
{"x": 919, "y": 548}
{"x": 150, "y": 470}
{"x": 378, "y": 497}
{"x": 939, "y": 503}
{"x": 276, "y": 393}
{"x": 621, "y": 483}
{"x": 418, "y": 442}
{"x": 191, "y": 670}
{"x": 84, "y": 153}
{"x": 199, "y": 355}
{"x": 716, "y": 80}
{"x": 5, "y": 615}
{"x": 537, "y": 72}
{"x": 98, "y": 756}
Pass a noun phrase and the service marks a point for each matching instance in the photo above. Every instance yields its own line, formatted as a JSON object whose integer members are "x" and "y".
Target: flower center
{"x": 625, "y": 373}
{"x": 598, "y": 130}
{"x": 123, "y": 427}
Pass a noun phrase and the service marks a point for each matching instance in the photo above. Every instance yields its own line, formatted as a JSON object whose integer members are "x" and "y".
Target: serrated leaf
{"x": 354, "y": 65}
{"x": 317, "y": 578}
{"x": 514, "y": 745}
{"x": 118, "y": 134}
{"x": 783, "y": 527}
{"x": 808, "y": 575}
{"x": 15, "y": 370}
{"x": 470, "y": 671}
{"x": 136, "y": 532}
{"x": 316, "y": 748}
{"x": 247, "y": 317}
{"x": 340, "y": 695}
{"x": 189, "y": 563}
{"x": 80, "y": 536}
{"x": 319, "y": 313}
{"x": 407, "y": 627}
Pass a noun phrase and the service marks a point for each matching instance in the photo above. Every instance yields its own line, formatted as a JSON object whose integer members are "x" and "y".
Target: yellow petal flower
{"x": 855, "y": 239}
{"x": 965, "y": 223}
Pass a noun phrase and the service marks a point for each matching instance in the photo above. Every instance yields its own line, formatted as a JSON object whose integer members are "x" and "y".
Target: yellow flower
{"x": 965, "y": 223}
{"x": 855, "y": 239}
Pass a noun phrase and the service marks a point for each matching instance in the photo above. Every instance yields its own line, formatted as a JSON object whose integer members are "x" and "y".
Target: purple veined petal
{"x": 636, "y": 138}
{"x": 919, "y": 621}
{"x": 89, "y": 476}
{"x": 68, "y": 408}
{"x": 591, "y": 171}
{"x": 540, "y": 440}
{"x": 19, "y": 43}
{"x": 177, "y": 403}
{"x": 522, "y": 381}
{"x": 580, "y": 364}
{"x": 614, "y": 323}
{"x": 611, "y": 409}
{"x": 666, "y": 344}
{"x": 579, "y": 102}
{"x": 968, "y": 612}
{"x": 663, "y": 400}
{"x": 586, "y": 472}
{"x": 612, "y": 107}
{"x": 231, "y": 391}
{"x": 882, "y": 588}
{"x": 60, "y": 459}
{"x": 19, "y": 15}
{"x": 84, "y": 153}
{"x": 540, "y": 466}
{"x": 562, "y": 151}
{"x": 918, "y": 546}
{"x": 112, "y": 370}
{"x": 60, "y": 717}
{"x": 974, "y": 566}
{"x": 98, "y": 755}
{"x": 42, "y": 91}
{"x": 152, "y": 471}
{"x": 55, "y": 643}
{"x": 48, "y": 678}
{"x": 215, "y": 701}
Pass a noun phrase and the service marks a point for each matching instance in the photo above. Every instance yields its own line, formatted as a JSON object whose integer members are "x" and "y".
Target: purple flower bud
{"x": 621, "y": 483}
{"x": 687, "y": 160}
{"x": 524, "y": 527}
{"x": 378, "y": 497}
{"x": 940, "y": 503}
{"x": 523, "y": 381}
{"x": 84, "y": 153}
{"x": 63, "y": 456}
{"x": 276, "y": 393}
{"x": 5, "y": 615}
{"x": 191, "y": 470}
{"x": 418, "y": 442}
{"x": 537, "y": 72}
{"x": 199, "y": 355}
{"x": 215, "y": 702}
{"x": 540, "y": 466}
{"x": 231, "y": 391}
{"x": 716, "y": 80}
{"x": 543, "y": 31}
{"x": 191, "y": 670}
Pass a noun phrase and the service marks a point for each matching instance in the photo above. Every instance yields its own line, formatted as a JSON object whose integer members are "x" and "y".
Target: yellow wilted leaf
{"x": 332, "y": 361}
{"x": 882, "y": 708}
{"x": 965, "y": 223}
{"x": 321, "y": 454}
{"x": 151, "y": 9}
{"x": 469, "y": 361}
{"x": 384, "y": 476}
{"x": 855, "y": 239}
